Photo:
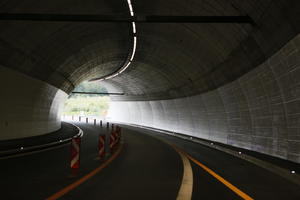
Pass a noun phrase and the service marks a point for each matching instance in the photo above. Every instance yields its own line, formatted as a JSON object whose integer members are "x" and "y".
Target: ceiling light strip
{"x": 133, "y": 28}
{"x": 122, "y": 69}
{"x": 134, "y": 48}
{"x": 130, "y": 8}
{"x": 111, "y": 76}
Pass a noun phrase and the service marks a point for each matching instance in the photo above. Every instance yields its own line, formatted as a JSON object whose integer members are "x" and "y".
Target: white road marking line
{"x": 186, "y": 188}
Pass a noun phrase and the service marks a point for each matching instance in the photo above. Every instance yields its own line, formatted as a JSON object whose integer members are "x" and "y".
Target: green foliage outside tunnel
{"x": 87, "y": 105}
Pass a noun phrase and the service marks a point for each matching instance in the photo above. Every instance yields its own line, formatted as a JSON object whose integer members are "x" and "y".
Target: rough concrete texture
{"x": 29, "y": 107}
{"x": 172, "y": 60}
{"x": 260, "y": 111}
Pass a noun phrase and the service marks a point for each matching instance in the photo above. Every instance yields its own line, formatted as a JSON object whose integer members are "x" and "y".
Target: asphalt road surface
{"x": 147, "y": 167}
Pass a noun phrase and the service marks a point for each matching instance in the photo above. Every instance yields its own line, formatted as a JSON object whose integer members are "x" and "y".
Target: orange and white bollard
{"x": 111, "y": 141}
{"x": 75, "y": 155}
{"x": 101, "y": 146}
{"x": 116, "y": 139}
{"x": 119, "y": 134}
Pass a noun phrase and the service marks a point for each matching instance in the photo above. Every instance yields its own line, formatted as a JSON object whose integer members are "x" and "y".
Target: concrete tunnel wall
{"x": 29, "y": 107}
{"x": 259, "y": 111}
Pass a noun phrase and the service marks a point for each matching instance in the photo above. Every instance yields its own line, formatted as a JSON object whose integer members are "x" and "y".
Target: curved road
{"x": 146, "y": 168}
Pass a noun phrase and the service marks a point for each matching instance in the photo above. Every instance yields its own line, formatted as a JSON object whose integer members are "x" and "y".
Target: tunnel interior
{"x": 234, "y": 83}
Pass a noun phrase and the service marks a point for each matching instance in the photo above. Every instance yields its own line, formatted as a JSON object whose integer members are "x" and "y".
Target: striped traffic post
{"x": 118, "y": 134}
{"x": 75, "y": 155}
{"x": 101, "y": 146}
{"x": 115, "y": 139}
{"x": 111, "y": 141}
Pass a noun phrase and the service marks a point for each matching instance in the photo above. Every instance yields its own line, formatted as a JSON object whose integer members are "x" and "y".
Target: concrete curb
{"x": 21, "y": 150}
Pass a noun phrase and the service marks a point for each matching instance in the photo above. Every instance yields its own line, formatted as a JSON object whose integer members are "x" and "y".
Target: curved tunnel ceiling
{"x": 172, "y": 60}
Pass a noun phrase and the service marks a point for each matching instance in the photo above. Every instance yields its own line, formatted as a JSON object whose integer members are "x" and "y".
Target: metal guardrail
{"x": 22, "y": 149}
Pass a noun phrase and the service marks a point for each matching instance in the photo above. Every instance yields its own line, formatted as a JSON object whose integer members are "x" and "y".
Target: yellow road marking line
{"x": 219, "y": 178}
{"x": 186, "y": 188}
{"x": 84, "y": 178}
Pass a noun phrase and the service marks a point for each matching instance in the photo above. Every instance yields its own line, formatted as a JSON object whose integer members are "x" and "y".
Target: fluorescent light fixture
{"x": 111, "y": 76}
{"x": 127, "y": 65}
{"x": 130, "y": 7}
{"x": 134, "y": 48}
{"x": 124, "y": 68}
{"x": 133, "y": 27}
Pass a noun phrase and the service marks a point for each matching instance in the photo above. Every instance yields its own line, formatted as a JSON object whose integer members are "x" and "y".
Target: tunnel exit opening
{"x": 88, "y": 100}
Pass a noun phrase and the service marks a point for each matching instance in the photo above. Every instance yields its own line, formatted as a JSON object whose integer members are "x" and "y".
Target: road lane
{"x": 38, "y": 175}
{"x": 249, "y": 178}
{"x": 146, "y": 169}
